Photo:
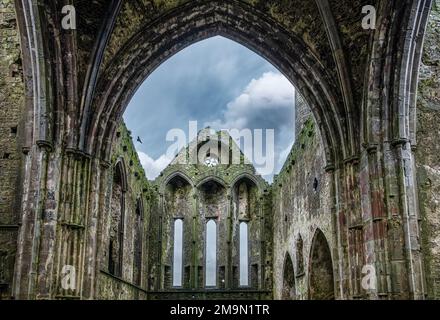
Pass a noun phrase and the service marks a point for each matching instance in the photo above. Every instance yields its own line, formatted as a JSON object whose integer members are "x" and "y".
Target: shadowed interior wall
{"x": 321, "y": 282}
{"x": 289, "y": 290}
{"x": 12, "y": 100}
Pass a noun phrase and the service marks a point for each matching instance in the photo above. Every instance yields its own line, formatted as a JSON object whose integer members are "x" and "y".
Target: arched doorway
{"x": 321, "y": 280}
{"x": 289, "y": 289}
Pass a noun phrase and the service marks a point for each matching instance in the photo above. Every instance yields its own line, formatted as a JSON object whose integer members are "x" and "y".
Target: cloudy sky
{"x": 218, "y": 83}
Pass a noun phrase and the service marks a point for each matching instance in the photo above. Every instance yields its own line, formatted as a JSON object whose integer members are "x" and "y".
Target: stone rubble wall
{"x": 428, "y": 152}
{"x": 11, "y": 103}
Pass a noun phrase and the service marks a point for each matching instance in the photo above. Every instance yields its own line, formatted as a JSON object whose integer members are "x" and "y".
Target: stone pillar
{"x": 375, "y": 223}
{"x": 341, "y": 233}
{"x": 261, "y": 220}
{"x": 26, "y": 269}
{"x": 97, "y": 228}
{"x": 160, "y": 272}
{"x": 194, "y": 245}
{"x": 409, "y": 215}
{"x": 230, "y": 241}
{"x": 355, "y": 230}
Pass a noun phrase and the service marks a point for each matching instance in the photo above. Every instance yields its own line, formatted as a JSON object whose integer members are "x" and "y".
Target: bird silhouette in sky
{"x": 139, "y": 139}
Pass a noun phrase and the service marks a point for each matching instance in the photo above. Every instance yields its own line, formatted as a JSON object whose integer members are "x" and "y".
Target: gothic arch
{"x": 321, "y": 278}
{"x": 289, "y": 288}
{"x": 166, "y": 36}
{"x": 396, "y": 109}
{"x": 174, "y": 175}
{"x": 117, "y": 220}
{"x": 210, "y": 178}
{"x": 258, "y": 183}
{"x": 60, "y": 136}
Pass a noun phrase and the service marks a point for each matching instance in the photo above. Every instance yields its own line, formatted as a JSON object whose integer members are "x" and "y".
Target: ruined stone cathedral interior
{"x": 353, "y": 214}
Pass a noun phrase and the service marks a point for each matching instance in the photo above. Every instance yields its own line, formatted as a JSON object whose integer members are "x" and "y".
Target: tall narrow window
{"x": 178, "y": 257}
{"x": 244, "y": 255}
{"x": 211, "y": 254}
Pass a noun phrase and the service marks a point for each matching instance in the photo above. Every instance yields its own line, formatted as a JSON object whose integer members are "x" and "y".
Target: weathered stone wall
{"x": 301, "y": 204}
{"x": 428, "y": 152}
{"x": 112, "y": 288}
{"x": 133, "y": 187}
{"x": 11, "y": 102}
{"x": 67, "y": 161}
{"x": 302, "y": 113}
{"x": 227, "y": 194}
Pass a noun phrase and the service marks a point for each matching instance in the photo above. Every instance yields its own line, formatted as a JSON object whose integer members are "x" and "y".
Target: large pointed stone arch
{"x": 158, "y": 41}
{"x": 65, "y": 131}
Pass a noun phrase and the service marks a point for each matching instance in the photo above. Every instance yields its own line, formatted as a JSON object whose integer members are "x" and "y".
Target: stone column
{"x": 26, "y": 267}
{"x": 160, "y": 279}
{"x": 230, "y": 242}
{"x": 194, "y": 276}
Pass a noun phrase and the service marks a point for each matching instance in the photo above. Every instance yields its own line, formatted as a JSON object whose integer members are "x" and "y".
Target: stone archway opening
{"x": 321, "y": 279}
{"x": 71, "y": 120}
{"x": 149, "y": 48}
{"x": 289, "y": 288}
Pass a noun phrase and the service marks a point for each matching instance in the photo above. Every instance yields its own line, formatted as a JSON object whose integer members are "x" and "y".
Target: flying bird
{"x": 139, "y": 139}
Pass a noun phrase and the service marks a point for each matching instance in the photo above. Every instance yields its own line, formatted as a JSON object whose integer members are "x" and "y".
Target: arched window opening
{"x": 244, "y": 255}
{"x": 211, "y": 254}
{"x": 178, "y": 253}
{"x": 289, "y": 288}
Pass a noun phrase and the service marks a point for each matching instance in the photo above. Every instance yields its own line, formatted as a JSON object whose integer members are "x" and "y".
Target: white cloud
{"x": 153, "y": 167}
{"x": 266, "y": 103}
{"x": 268, "y": 98}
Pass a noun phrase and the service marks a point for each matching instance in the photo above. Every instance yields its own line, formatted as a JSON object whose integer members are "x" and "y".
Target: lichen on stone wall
{"x": 428, "y": 151}
{"x": 302, "y": 205}
{"x": 136, "y": 199}
{"x": 11, "y": 102}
